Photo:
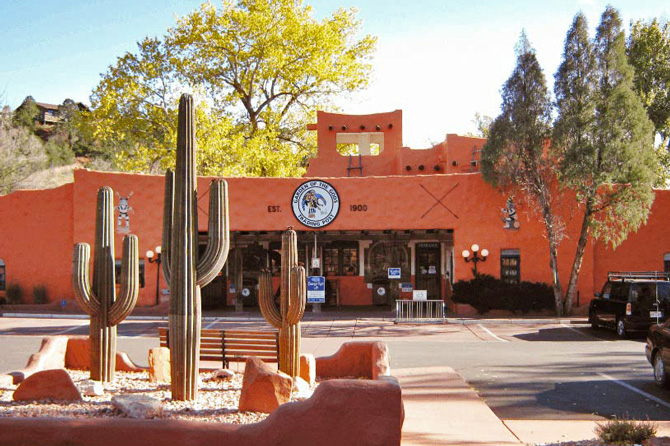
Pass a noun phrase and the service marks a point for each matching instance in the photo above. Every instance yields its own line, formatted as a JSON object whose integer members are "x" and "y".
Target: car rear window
{"x": 664, "y": 291}
{"x": 644, "y": 293}
{"x": 620, "y": 291}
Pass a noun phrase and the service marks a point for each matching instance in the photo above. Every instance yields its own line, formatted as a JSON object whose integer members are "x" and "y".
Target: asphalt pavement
{"x": 537, "y": 377}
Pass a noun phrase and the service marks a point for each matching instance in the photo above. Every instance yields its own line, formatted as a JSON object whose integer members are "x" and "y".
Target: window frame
{"x": 510, "y": 254}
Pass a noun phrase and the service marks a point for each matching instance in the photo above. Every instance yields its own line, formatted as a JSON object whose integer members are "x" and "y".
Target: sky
{"x": 439, "y": 61}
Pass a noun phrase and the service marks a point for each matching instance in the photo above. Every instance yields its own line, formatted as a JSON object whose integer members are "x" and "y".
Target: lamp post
{"x": 477, "y": 256}
{"x": 150, "y": 257}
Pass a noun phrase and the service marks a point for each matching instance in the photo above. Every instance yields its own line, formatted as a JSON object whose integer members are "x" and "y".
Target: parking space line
{"x": 636, "y": 390}
{"x": 211, "y": 324}
{"x": 490, "y": 333}
{"x": 67, "y": 330}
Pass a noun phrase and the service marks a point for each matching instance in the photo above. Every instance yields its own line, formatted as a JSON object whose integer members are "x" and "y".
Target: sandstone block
{"x": 308, "y": 368}
{"x": 93, "y": 388}
{"x": 263, "y": 389}
{"x": 138, "y": 406}
{"x": 221, "y": 375}
{"x": 159, "y": 365}
{"x": 53, "y": 384}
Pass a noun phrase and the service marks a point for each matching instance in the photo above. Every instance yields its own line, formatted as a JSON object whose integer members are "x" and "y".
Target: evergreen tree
{"x": 27, "y": 114}
{"x": 516, "y": 156}
{"x": 602, "y": 136}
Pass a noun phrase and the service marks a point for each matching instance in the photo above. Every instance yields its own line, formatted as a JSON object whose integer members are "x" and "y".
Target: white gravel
{"x": 217, "y": 400}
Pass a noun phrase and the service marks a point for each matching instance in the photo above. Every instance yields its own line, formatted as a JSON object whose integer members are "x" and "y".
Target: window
{"x": 666, "y": 262}
{"x": 117, "y": 272}
{"x": 340, "y": 259}
{"x": 3, "y": 280}
{"x": 274, "y": 252}
{"x": 364, "y": 143}
{"x": 510, "y": 265}
{"x": 620, "y": 291}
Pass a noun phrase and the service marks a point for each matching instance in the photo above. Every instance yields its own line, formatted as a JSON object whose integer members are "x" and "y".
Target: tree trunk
{"x": 579, "y": 257}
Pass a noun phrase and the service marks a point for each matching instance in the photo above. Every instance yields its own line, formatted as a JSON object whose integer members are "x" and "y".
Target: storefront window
{"x": 117, "y": 272}
{"x": 275, "y": 256}
{"x": 510, "y": 265}
{"x": 340, "y": 259}
{"x": 3, "y": 281}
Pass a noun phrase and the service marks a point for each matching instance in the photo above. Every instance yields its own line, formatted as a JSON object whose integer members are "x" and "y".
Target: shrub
{"x": 14, "y": 293}
{"x": 625, "y": 431}
{"x": 40, "y": 295}
{"x": 484, "y": 292}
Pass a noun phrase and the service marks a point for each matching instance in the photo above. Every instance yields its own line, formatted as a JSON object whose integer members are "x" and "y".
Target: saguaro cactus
{"x": 183, "y": 270}
{"x": 99, "y": 300}
{"x": 292, "y": 300}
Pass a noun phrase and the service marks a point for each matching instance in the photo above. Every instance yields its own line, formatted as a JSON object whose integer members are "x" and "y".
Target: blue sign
{"x": 316, "y": 290}
{"x": 394, "y": 273}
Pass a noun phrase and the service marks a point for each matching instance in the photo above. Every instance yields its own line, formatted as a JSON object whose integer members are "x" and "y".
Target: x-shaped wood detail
{"x": 438, "y": 200}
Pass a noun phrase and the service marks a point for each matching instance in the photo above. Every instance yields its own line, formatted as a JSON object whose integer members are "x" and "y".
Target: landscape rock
{"x": 263, "y": 389}
{"x": 221, "y": 375}
{"x": 93, "y": 388}
{"x": 308, "y": 368}
{"x": 159, "y": 365}
{"x": 138, "y": 406}
{"x": 301, "y": 389}
{"x": 53, "y": 384}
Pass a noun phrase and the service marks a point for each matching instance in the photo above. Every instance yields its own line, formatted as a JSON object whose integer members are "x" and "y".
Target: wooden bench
{"x": 233, "y": 345}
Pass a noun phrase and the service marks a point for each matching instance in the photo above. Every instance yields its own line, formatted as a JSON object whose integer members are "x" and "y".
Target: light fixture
{"x": 476, "y": 255}
{"x": 150, "y": 257}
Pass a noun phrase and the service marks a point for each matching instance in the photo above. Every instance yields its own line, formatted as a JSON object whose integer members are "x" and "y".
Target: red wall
{"x": 36, "y": 240}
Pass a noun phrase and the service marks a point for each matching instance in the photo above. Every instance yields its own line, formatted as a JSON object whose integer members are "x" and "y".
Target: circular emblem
{"x": 381, "y": 291}
{"x": 246, "y": 292}
{"x": 315, "y": 203}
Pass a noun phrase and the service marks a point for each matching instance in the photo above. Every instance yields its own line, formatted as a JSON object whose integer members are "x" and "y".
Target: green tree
{"x": 27, "y": 114}
{"x": 259, "y": 68}
{"x": 649, "y": 53}
{"x": 602, "y": 136}
{"x": 516, "y": 155}
{"x": 483, "y": 124}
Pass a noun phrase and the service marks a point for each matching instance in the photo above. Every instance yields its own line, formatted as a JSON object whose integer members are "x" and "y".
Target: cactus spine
{"x": 183, "y": 270}
{"x": 99, "y": 299}
{"x": 292, "y": 300}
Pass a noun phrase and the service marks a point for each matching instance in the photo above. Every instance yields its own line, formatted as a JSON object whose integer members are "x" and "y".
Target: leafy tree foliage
{"x": 516, "y": 157}
{"x": 649, "y": 53}
{"x": 27, "y": 114}
{"x": 259, "y": 67}
{"x": 603, "y": 136}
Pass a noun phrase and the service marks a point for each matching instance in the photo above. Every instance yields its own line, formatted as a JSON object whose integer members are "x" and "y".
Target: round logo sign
{"x": 246, "y": 292}
{"x": 315, "y": 203}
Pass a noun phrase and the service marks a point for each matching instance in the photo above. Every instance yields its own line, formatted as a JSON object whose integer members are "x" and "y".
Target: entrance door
{"x": 428, "y": 269}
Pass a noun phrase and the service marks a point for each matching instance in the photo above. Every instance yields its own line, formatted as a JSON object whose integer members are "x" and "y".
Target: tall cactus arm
{"x": 298, "y": 296}
{"x": 130, "y": 281}
{"x": 80, "y": 279}
{"x": 218, "y": 242}
{"x": 266, "y": 300}
{"x": 167, "y": 225}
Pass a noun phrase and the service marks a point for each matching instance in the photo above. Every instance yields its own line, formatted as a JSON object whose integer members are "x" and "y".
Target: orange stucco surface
{"x": 40, "y": 227}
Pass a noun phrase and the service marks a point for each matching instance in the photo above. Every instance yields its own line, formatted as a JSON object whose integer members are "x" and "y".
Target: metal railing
{"x": 420, "y": 311}
{"x": 654, "y": 275}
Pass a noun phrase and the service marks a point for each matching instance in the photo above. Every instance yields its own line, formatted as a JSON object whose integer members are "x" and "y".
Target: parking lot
{"x": 523, "y": 369}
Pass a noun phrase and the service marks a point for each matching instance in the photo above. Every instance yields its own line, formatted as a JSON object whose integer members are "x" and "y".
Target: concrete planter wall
{"x": 340, "y": 412}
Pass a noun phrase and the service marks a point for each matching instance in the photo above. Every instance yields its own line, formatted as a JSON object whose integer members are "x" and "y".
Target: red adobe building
{"x": 386, "y": 206}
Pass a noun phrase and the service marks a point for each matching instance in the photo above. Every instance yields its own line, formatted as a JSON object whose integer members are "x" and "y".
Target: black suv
{"x": 631, "y": 301}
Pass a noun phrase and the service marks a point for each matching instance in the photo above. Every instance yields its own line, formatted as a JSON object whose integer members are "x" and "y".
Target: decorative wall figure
{"x": 509, "y": 215}
{"x": 124, "y": 211}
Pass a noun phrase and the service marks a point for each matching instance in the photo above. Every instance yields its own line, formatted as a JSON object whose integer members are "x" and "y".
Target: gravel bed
{"x": 217, "y": 400}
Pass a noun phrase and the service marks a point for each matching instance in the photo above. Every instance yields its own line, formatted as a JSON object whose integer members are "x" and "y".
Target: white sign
{"x": 316, "y": 290}
{"x": 420, "y": 295}
{"x": 394, "y": 273}
{"x": 246, "y": 292}
{"x": 316, "y": 262}
{"x": 406, "y": 287}
{"x": 315, "y": 203}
